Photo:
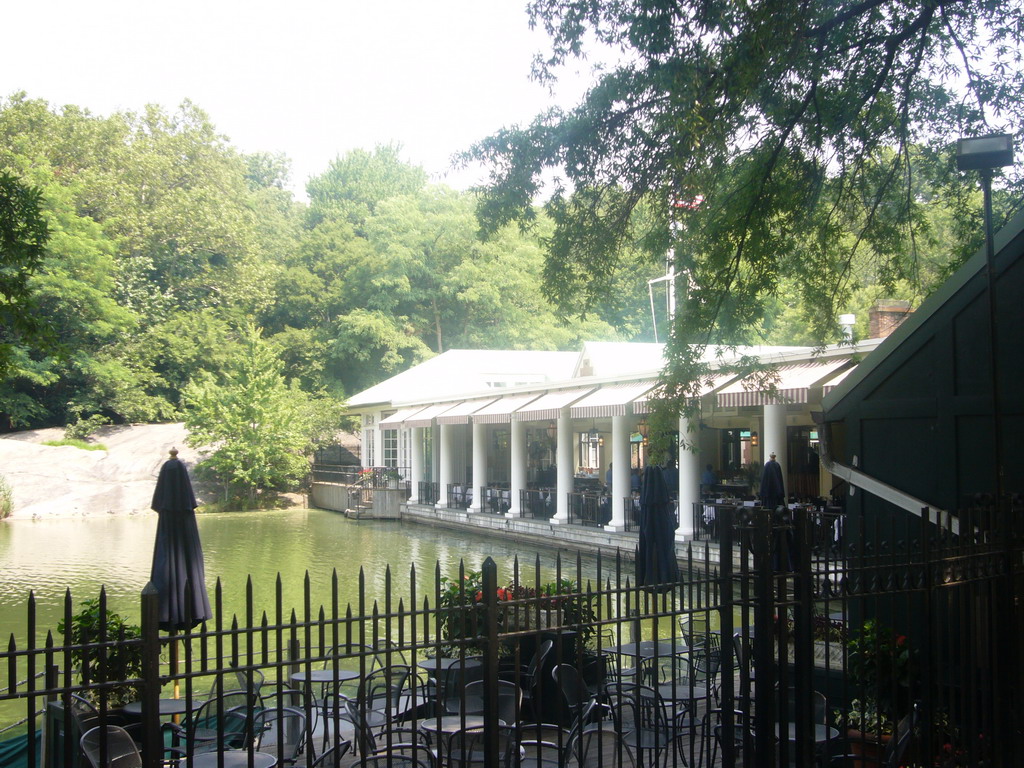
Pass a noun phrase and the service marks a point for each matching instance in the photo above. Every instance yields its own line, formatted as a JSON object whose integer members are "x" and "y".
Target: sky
{"x": 309, "y": 79}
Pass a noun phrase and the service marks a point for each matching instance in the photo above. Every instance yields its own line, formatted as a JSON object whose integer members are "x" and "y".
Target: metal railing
{"x": 537, "y": 504}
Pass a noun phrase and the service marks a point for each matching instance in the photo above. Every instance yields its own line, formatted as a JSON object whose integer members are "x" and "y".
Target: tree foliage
{"x": 259, "y": 426}
{"x": 771, "y": 146}
{"x": 23, "y": 236}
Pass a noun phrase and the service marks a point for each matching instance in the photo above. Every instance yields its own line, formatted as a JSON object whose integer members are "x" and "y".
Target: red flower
{"x": 479, "y": 596}
{"x": 901, "y": 640}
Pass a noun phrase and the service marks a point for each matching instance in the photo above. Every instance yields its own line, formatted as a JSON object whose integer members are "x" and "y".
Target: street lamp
{"x": 985, "y": 154}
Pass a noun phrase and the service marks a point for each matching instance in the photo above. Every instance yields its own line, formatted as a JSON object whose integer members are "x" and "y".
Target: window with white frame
{"x": 390, "y": 445}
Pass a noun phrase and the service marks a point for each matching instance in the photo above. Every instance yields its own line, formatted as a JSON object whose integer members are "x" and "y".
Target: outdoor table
{"x": 168, "y": 707}
{"x": 451, "y": 723}
{"x": 647, "y": 649}
{"x": 324, "y": 675}
{"x": 682, "y": 690}
{"x": 232, "y": 758}
{"x": 443, "y": 663}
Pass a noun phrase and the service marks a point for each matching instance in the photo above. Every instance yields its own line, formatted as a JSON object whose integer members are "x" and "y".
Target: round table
{"x": 168, "y": 707}
{"x": 324, "y": 675}
{"x": 647, "y": 649}
{"x": 443, "y": 663}
{"x": 232, "y": 758}
{"x": 452, "y": 723}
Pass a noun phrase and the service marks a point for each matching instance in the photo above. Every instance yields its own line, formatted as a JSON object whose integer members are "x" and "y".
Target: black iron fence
{"x": 771, "y": 650}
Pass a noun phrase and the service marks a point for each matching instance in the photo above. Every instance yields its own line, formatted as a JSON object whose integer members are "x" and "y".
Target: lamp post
{"x": 984, "y": 154}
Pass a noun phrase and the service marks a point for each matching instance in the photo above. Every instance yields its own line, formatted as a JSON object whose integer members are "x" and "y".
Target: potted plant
{"x": 122, "y": 665}
{"x": 880, "y": 665}
{"x": 392, "y": 477}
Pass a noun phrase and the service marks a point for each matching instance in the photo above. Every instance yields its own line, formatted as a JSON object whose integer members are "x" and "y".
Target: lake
{"x": 46, "y": 557}
{"x": 83, "y": 554}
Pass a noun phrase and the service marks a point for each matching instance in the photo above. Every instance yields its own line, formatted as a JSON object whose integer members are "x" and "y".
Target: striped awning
{"x": 610, "y": 400}
{"x": 643, "y": 403}
{"x": 836, "y": 380}
{"x": 549, "y": 406}
{"x": 792, "y": 384}
{"x": 460, "y": 413}
{"x": 399, "y": 416}
{"x": 425, "y": 417}
{"x": 500, "y": 411}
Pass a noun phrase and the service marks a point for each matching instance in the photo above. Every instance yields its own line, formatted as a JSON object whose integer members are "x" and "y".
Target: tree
{"x": 353, "y": 185}
{"x": 23, "y": 236}
{"x": 773, "y": 143}
{"x": 259, "y": 426}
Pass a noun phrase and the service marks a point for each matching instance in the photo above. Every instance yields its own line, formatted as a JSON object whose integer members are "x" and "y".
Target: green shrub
{"x": 83, "y": 429}
{"x": 123, "y": 653}
{"x": 6, "y": 498}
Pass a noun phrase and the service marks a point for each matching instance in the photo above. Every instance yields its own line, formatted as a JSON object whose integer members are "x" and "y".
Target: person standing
{"x": 773, "y": 496}
{"x": 773, "y": 489}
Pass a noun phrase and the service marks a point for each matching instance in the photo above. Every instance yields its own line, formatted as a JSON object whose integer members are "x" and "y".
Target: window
{"x": 369, "y": 454}
{"x": 390, "y": 440}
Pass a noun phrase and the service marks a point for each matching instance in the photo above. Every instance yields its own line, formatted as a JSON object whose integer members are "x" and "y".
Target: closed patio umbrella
{"x": 656, "y": 553}
{"x": 178, "y": 573}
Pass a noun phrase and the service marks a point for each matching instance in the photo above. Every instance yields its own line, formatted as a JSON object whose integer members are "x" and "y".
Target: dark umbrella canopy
{"x": 178, "y": 573}
{"x": 656, "y": 554}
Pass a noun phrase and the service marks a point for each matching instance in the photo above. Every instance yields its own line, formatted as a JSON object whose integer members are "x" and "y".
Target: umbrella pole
{"x": 176, "y": 719}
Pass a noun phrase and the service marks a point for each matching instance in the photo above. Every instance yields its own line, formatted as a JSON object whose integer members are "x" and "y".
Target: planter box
{"x": 826, "y": 655}
{"x": 523, "y": 618}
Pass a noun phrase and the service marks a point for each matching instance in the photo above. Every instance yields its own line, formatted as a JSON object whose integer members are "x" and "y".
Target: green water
{"x": 47, "y": 557}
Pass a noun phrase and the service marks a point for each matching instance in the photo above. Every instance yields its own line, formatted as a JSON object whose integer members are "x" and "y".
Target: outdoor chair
{"x": 218, "y": 723}
{"x": 714, "y": 731}
{"x": 110, "y": 747}
{"x": 582, "y": 705}
{"x": 332, "y": 758}
{"x": 613, "y": 659}
{"x": 373, "y": 736}
{"x": 647, "y": 723}
{"x": 510, "y": 699}
{"x": 544, "y": 745}
{"x": 465, "y": 748}
{"x": 606, "y": 748}
{"x": 529, "y": 677}
{"x": 280, "y": 731}
{"x": 390, "y": 760}
{"x": 295, "y": 699}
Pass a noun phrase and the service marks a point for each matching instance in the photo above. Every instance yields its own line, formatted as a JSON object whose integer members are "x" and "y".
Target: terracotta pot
{"x": 870, "y": 746}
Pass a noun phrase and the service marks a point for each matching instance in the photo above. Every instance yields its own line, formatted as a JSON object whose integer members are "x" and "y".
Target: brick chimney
{"x": 885, "y": 317}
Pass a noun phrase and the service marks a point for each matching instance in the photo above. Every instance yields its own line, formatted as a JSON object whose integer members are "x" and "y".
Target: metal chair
{"x": 510, "y": 700}
{"x": 280, "y": 731}
{"x": 646, "y": 723}
{"x": 332, "y": 758}
{"x": 466, "y": 748}
{"x": 604, "y": 747}
{"x": 110, "y": 747}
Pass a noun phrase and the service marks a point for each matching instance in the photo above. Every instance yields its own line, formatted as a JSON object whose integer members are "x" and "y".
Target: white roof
{"x": 463, "y": 371}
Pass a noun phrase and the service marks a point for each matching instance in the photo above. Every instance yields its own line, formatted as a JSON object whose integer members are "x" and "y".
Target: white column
{"x": 445, "y": 474}
{"x": 518, "y": 480}
{"x": 416, "y": 468}
{"x": 689, "y": 479}
{"x": 775, "y": 439}
{"x": 479, "y": 466}
{"x": 620, "y": 472}
{"x": 564, "y": 460}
